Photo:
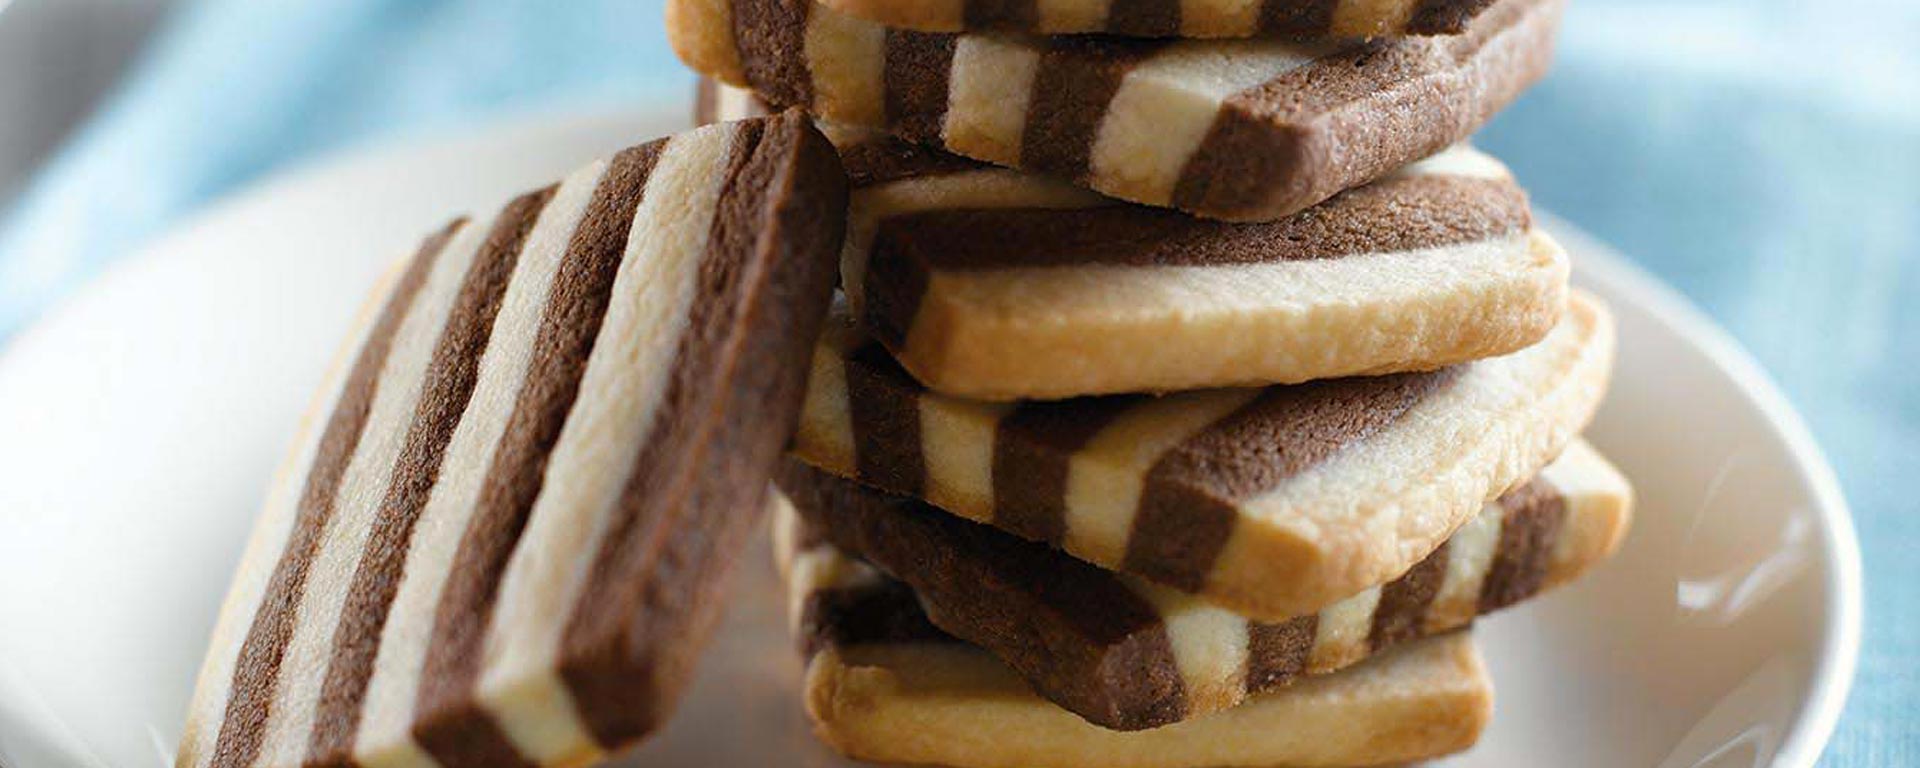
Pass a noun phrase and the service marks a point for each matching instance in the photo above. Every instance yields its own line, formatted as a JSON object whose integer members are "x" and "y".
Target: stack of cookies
{"x": 1191, "y": 387}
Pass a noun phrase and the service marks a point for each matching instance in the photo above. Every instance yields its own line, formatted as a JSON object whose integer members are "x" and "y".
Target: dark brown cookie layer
{"x": 1097, "y": 643}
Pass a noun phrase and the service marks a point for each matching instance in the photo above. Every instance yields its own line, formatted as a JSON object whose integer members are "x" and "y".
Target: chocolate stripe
{"x": 883, "y": 612}
{"x": 1144, "y": 18}
{"x": 771, "y": 38}
{"x": 1444, "y": 17}
{"x": 451, "y": 376}
{"x": 1009, "y": 15}
{"x": 1257, "y": 136}
{"x": 451, "y": 724}
{"x": 1088, "y": 641}
{"x": 1032, "y": 450}
{"x": 1535, "y": 513}
{"x": 894, "y": 287}
{"x": 1278, "y": 653}
{"x": 914, "y": 81}
{"x": 699, "y": 482}
{"x": 1075, "y": 81}
{"x": 1296, "y": 18}
{"x": 1403, "y": 214}
{"x": 885, "y": 405}
{"x": 256, "y": 675}
{"x": 1402, "y": 611}
{"x": 879, "y": 159}
{"x": 1192, "y": 494}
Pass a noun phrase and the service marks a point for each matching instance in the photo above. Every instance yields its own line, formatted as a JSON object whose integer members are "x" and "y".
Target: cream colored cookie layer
{"x": 882, "y": 686}
{"x": 996, "y": 284}
{"x": 1272, "y": 502}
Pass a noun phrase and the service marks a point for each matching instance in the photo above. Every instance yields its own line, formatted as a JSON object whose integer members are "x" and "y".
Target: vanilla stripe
{"x": 826, "y": 421}
{"x": 958, "y": 448}
{"x": 619, "y": 393}
{"x": 249, "y": 716}
{"x": 736, "y": 104}
{"x": 846, "y": 59}
{"x": 1209, "y": 646}
{"x": 270, "y": 536}
{"x": 384, "y": 738}
{"x": 1105, "y": 478}
{"x": 1460, "y": 160}
{"x": 1591, "y": 487}
{"x": 1343, "y": 630}
{"x": 1470, "y": 554}
{"x": 1167, "y": 104}
{"x": 362, "y": 489}
{"x": 988, "y": 90}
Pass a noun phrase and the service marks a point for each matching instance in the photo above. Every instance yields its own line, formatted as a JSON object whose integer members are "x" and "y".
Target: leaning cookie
{"x": 1127, "y": 654}
{"x": 998, "y": 284}
{"x": 1299, "y": 19}
{"x": 505, "y": 542}
{"x": 1241, "y": 130}
{"x": 1273, "y": 502}
{"x": 883, "y": 685}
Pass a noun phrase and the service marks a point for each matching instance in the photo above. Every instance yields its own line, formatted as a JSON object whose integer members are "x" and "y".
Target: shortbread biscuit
{"x": 1128, "y": 654}
{"x": 505, "y": 545}
{"x": 1296, "y": 19}
{"x": 1273, "y": 502}
{"x": 998, "y": 284}
{"x": 882, "y": 685}
{"x": 1242, "y": 130}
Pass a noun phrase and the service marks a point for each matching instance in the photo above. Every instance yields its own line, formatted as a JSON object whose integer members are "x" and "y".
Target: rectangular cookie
{"x": 1127, "y": 654}
{"x": 882, "y": 685}
{"x": 1240, "y": 130}
{"x": 1273, "y": 502}
{"x": 997, "y": 284}
{"x": 504, "y": 541}
{"x": 1294, "y": 19}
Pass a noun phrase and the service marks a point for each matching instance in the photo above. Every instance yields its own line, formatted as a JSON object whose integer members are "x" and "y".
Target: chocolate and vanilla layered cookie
{"x": 1128, "y": 654}
{"x": 998, "y": 284}
{"x": 1242, "y": 130}
{"x": 1273, "y": 502}
{"x": 1298, "y": 19}
{"x": 502, "y": 543}
{"x": 883, "y": 685}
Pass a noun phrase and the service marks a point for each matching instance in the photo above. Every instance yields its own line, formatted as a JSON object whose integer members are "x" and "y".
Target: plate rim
{"x": 1834, "y": 665}
{"x": 1838, "y": 660}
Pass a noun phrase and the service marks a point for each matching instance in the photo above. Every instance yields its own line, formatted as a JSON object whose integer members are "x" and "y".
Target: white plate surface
{"x": 139, "y": 423}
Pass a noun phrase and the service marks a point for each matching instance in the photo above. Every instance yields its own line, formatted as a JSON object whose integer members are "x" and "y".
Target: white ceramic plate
{"x": 140, "y": 420}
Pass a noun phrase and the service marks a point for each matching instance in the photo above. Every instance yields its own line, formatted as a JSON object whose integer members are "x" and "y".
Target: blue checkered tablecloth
{"x": 1761, "y": 155}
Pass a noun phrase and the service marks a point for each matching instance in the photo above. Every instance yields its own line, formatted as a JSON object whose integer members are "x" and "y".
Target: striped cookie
{"x": 1127, "y": 654}
{"x": 996, "y": 284}
{"x": 1274, "y": 502}
{"x": 1243, "y": 130}
{"x": 1295, "y": 19}
{"x": 505, "y": 544}
{"x": 882, "y": 685}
